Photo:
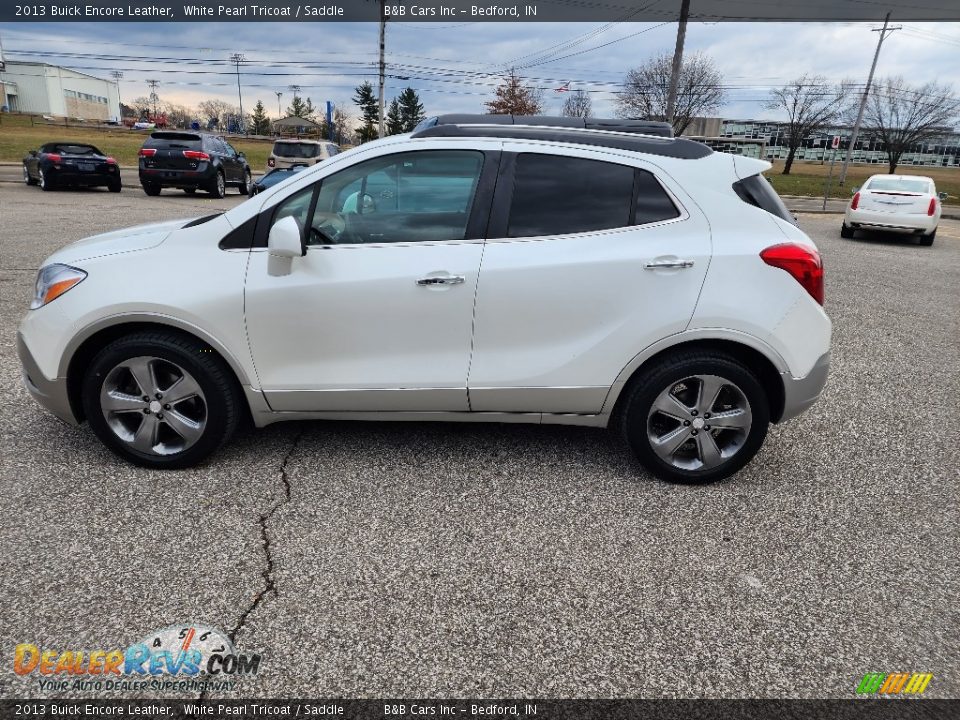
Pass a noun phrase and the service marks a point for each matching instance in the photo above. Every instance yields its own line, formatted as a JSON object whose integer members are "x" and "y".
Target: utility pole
{"x": 279, "y": 95}
{"x": 884, "y": 31}
{"x": 153, "y": 95}
{"x": 383, "y": 64}
{"x": 118, "y": 76}
{"x": 677, "y": 60}
{"x": 238, "y": 58}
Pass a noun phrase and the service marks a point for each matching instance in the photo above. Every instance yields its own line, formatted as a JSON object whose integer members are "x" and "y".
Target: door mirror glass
{"x": 942, "y": 196}
{"x": 854, "y": 189}
{"x": 286, "y": 238}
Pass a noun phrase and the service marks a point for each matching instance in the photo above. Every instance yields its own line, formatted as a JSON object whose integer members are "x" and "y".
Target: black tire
{"x": 846, "y": 232}
{"x": 247, "y": 183}
{"x": 928, "y": 238}
{"x": 190, "y": 191}
{"x": 115, "y": 186}
{"x": 151, "y": 189}
{"x": 218, "y": 186}
{"x": 216, "y": 380}
{"x": 640, "y": 395}
{"x": 27, "y": 178}
{"x": 46, "y": 183}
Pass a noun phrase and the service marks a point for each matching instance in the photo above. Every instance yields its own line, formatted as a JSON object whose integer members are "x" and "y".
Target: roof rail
{"x": 572, "y": 130}
{"x": 644, "y": 127}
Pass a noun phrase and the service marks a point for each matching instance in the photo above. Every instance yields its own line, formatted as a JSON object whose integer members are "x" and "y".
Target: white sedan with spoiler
{"x": 895, "y": 203}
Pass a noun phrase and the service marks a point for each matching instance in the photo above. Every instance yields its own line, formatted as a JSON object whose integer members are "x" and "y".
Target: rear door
{"x": 588, "y": 261}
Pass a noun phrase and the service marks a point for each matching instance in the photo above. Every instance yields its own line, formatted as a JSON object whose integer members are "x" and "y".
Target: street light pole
{"x": 238, "y": 58}
{"x": 279, "y": 95}
{"x": 118, "y": 76}
{"x": 884, "y": 31}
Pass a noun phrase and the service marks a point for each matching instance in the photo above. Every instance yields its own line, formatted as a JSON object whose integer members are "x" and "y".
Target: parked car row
{"x": 185, "y": 160}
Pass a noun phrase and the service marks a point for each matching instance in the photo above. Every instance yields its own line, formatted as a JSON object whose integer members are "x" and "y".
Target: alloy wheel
{"x": 699, "y": 422}
{"x": 153, "y": 405}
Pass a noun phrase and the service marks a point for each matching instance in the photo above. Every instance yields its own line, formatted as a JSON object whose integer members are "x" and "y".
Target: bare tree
{"x": 577, "y": 104}
{"x": 811, "y": 104}
{"x": 699, "y": 90}
{"x": 512, "y": 97}
{"x": 341, "y": 123}
{"x": 216, "y": 111}
{"x": 901, "y": 115}
{"x": 178, "y": 116}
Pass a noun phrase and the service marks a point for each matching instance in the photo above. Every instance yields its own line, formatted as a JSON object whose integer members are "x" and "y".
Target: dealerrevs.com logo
{"x": 894, "y": 683}
{"x": 180, "y": 657}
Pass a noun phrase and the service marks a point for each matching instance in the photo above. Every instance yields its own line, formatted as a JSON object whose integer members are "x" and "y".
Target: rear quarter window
{"x": 756, "y": 190}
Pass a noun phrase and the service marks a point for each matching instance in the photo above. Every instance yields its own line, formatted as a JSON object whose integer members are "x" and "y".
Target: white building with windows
{"x": 32, "y": 87}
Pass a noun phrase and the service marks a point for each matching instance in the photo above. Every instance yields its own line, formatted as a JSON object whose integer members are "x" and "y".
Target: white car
{"x": 895, "y": 203}
{"x": 465, "y": 272}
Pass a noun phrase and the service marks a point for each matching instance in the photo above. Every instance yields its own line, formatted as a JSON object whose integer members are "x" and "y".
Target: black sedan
{"x": 277, "y": 175}
{"x": 60, "y": 164}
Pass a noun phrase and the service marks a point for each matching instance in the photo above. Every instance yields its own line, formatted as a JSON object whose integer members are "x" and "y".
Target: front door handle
{"x": 442, "y": 280}
{"x": 668, "y": 264}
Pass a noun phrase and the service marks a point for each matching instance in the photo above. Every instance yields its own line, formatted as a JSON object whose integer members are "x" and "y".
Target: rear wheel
{"x": 218, "y": 187}
{"x": 846, "y": 232}
{"x": 695, "y": 417}
{"x": 160, "y": 400}
{"x": 115, "y": 186}
{"x": 26, "y": 176}
{"x": 247, "y": 183}
{"x": 46, "y": 183}
{"x": 151, "y": 189}
{"x": 928, "y": 238}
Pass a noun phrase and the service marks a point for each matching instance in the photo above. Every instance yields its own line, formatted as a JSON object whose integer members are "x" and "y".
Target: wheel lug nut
{"x": 693, "y": 432}
{"x": 686, "y": 423}
{"x": 706, "y": 427}
{"x": 159, "y": 416}
{"x": 167, "y": 406}
{"x": 693, "y": 412}
{"x": 146, "y": 411}
{"x": 146, "y": 398}
{"x": 159, "y": 396}
{"x": 706, "y": 415}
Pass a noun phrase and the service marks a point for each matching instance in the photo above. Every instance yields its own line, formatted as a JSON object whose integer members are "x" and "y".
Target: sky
{"x": 454, "y": 67}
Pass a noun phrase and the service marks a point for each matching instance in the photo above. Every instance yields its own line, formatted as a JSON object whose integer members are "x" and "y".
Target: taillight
{"x": 932, "y": 207}
{"x": 52, "y": 157}
{"x": 802, "y": 262}
{"x": 271, "y": 162}
{"x": 111, "y": 161}
{"x": 147, "y": 152}
{"x": 195, "y": 155}
{"x": 855, "y": 201}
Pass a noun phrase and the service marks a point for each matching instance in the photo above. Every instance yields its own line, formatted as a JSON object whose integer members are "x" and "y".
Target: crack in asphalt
{"x": 269, "y": 584}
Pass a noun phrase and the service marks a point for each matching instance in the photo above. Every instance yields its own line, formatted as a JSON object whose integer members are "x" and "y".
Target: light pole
{"x": 383, "y": 64}
{"x": 153, "y": 96}
{"x": 236, "y": 59}
{"x": 279, "y": 95}
{"x": 677, "y": 61}
{"x": 118, "y": 76}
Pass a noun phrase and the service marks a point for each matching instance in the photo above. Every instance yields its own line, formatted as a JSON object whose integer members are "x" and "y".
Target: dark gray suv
{"x": 191, "y": 161}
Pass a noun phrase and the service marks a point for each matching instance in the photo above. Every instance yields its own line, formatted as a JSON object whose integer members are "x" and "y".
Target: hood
{"x": 139, "y": 237}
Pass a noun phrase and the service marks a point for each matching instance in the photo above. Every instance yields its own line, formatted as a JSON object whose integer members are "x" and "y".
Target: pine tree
{"x": 411, "y": 109}
{"x": 370, "y": 111}
{"x": 514, "y": 98}
{"x": 301, "y": 108}
{"x": 259, "y": 122}
{"x": 394, "y": 124}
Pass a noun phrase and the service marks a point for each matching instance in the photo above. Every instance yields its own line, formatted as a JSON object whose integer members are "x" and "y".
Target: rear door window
{"x": 173, "y": 141}
{"x": 556, "y": 195}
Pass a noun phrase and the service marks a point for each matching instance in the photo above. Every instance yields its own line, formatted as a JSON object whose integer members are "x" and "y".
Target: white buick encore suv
{"x": 478, "y": 269}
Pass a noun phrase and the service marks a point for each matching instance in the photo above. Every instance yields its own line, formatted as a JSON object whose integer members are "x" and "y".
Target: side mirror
{"x": 285, "y": 239}
{"x": 942, "y": 196}
{"x": 33, "y": 153}
{"x": 854, "y": 189}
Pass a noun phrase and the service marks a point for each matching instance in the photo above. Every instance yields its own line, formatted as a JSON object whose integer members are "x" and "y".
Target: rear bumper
{"x": 82, "y": 178}
{"x": 800, "y": 393}
{"x": 51, "y": 394}
{"x": 890, "y": 222}
{"x": 178, "y": 178}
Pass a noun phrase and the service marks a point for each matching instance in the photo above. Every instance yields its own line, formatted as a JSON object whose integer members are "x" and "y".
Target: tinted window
{"x": 757, "y": 190}
{"x": 554, "y": 195}
{"x": 888, "y": 184}
{"x": 651, "y": 204}
{"x": 296, "y": 150}
{"x": 179, "y": 141}
{"x": 408, "y": 197}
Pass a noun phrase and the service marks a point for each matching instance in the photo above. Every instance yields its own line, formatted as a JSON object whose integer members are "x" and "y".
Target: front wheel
{"x": 247, "y": 183}
{"x": 695, "y": 417}
{"x": 160, "y": 400}
{"x": 26, "y": 176}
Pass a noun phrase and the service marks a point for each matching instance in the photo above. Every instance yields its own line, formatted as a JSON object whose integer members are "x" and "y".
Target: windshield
{"x": 893, "y": 184}
{"x": 295, "y": 149}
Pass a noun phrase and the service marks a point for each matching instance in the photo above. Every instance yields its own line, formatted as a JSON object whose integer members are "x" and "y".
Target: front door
{"x": 377, "y": 316}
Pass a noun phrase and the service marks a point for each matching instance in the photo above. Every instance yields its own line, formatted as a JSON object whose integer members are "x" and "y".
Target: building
{"x": 768, "y": 139}
{"x": 32, "y": 87}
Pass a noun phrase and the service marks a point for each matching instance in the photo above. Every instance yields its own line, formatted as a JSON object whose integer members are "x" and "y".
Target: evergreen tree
{"x": 369, "y": 110}
{"x": 259, "y": 122}
{"x": 394, "y": 123}
{"x": 300, "y": 108}
{"x": 411, "y": 109}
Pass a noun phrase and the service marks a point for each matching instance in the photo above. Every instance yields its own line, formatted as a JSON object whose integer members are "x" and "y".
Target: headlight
{"x": 53, "y": 281}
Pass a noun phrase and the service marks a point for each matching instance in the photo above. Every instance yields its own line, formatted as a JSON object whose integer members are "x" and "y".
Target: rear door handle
{"x": 442, "y": 280}
{"x": 668, "y": 264}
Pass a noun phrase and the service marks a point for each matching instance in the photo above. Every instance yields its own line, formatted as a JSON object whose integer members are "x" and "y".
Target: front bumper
{"x": 51, "y": 394}
{"x": 800, "y": 393}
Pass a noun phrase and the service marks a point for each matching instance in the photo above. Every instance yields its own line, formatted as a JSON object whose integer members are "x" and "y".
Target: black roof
{"x": 630, "y": 135}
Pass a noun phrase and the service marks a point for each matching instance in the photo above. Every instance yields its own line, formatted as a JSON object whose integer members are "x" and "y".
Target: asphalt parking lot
{"x": 392, "y": 560}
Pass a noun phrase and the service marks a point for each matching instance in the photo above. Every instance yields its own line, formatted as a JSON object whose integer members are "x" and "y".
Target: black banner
{"x": 334, "y": 709}
{"x": 446, "y": 11}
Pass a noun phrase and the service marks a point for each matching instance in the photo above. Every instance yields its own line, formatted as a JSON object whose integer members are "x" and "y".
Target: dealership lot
{"x": 424, "y": 560}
